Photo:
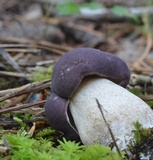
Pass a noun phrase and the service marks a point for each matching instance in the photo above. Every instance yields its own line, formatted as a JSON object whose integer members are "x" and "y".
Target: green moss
{"x": 27, "y": 148}
{"x": 99, "y": 152}
{"x": 42, "y": 75}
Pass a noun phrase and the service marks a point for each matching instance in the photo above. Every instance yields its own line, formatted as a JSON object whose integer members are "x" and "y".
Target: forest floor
{"x": 35, "y": 34}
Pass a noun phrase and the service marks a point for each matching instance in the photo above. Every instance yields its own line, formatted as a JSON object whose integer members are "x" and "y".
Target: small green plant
{"x": 139, "y": 94}
{"x": 150, "y": 103}
{"x": 42, "y": 75}
{"x": 22, "y": 124}
{"x": 45, "y": 132}
{"x": 140, "y": 133}
{"x": 67, "y": 8}
{"x": 140, "y": 144}
{"x": 120, "y": 10}
{"x": 124, "y": 12}
{"x": 2, "y": 103}
{"x": 136, "y": 92}
{"x": 71, "y": 8}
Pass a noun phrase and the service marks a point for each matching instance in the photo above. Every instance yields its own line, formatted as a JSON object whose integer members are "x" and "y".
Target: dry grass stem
{"x": 109, "y": 129}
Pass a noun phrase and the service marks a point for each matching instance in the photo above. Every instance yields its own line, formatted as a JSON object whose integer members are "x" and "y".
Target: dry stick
{"x": 146, "y": 52}
{"x": 148, "y": 47}
{"x": 36, "y": 119}
{"x": 7, "y": 110}
{"x": 16, "y": 45}
{"x": 8, "y": 46}
{"x": 18, "y": 56}
{"x": 3, "y": 149}
{"x": 25, "y": 89}
{"x": 8, "y": 131}
{"x": 140, "y": 79}
{"x": 15, "y": 74}
{"x": 27, "y": 50}
{"x": 109, "y": 129}
{"x": 30, "y": 86}
{"x": 57, "y": 51}
{"x": 40, "y": 112}
{"x": 10, "y": 60}
{"x": 36, "y": 46}
{"x": 146, "y": 97}
{"x": 140, "y": 68}
{"x": 36, "y": 42}
{"x": 40, "y": 63}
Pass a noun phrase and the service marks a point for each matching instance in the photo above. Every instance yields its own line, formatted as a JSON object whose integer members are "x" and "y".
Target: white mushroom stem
{"x": 120, "y": 107}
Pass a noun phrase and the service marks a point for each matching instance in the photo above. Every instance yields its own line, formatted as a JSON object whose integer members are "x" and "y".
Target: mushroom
{"x": 67, "y": 75}
{"x": 81, "y": 77}
{"x": 120, "y": 109}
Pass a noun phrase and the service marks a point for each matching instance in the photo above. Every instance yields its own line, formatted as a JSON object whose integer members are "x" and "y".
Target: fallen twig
{"x": 109, "y": 129}
{"x": 3, "y": 149}
{"x": 59, "y": 49}
{"x": 7, "y": 110}
{"x": 6, "y": 94}
{"x": 137, "y": 79}
{"x": 10, "y": 60}
{"x": 147, "y": 97}
{"x": 22, "y": 50}
{"x": 15, "y": 74}
{"x": 139, "y": 61}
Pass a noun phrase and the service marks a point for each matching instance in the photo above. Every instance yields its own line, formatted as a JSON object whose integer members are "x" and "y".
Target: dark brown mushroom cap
{"x": 78, "y": 63}
{"x": 68, "y": 74}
